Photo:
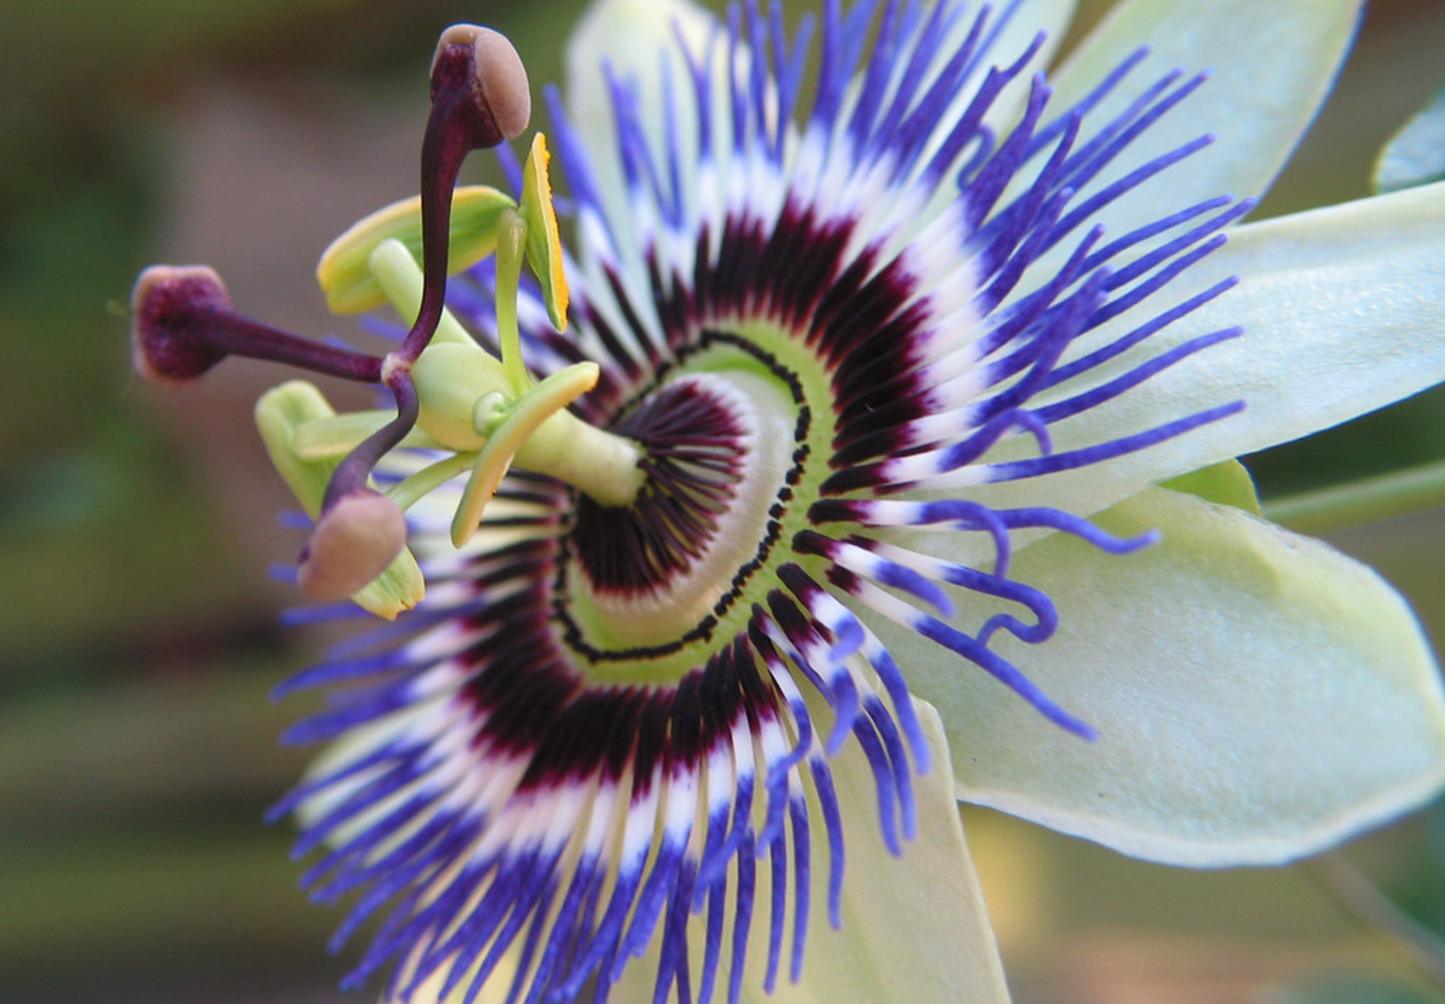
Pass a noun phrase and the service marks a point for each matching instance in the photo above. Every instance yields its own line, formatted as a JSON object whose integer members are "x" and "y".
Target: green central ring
{"x": 756, "y": 350}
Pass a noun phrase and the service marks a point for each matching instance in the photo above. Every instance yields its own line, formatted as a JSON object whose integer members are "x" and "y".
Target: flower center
{"x": 650, "y": 577}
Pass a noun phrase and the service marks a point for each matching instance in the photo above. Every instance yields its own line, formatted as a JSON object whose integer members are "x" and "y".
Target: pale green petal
{"x": 630, "y": 37}
{"x": 1051, "y": 17}
{"x": 1344, "y": 312}
{"x": 1028, "y": 20}
{"x": 496, "y": 990}
{"x": 1416, "y": 154}
{"x": 1271, "y": 63}
{"x": 915, "y": 928}
{"x": 1257, "y": 695}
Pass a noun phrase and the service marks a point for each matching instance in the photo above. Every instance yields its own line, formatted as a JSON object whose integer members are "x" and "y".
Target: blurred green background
{"x": 138, "y": 629}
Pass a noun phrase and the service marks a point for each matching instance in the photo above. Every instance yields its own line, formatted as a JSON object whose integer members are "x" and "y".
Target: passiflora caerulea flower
{"x": 845, "y": 492}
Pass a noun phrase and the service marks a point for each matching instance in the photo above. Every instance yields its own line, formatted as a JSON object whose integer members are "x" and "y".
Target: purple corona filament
{"x": 520, "y": 790}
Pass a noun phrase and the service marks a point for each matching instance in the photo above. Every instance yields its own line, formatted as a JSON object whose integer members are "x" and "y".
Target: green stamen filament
{"x": 511, "y": 248}
{"x": 333, "y": 438}
{"x": 455, "y": 373}
{"x": 427, "y": 480}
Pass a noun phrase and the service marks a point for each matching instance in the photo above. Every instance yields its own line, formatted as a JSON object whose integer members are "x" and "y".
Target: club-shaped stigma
{"x": 450, "y": 393}
{"x": 183, "y": 323}
{"x": 480, "y": 98}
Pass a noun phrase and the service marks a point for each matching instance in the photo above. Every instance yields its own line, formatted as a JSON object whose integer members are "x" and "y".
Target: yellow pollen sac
{"x": 344, "y": 271}
{"x": 544, "y": 243}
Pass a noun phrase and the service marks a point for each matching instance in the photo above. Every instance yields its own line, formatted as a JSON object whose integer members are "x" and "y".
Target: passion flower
{"x": 821, "y": 415}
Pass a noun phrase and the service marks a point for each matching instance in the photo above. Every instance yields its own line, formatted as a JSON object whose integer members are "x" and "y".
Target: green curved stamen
{"x": 336, "y": 436}
{"x": 454, "y": 375}
{"x": 490, "y": 412}
{"x": 418, "y": 486}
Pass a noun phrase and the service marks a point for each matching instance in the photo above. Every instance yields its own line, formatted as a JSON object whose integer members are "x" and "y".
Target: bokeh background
{"x": 139, "y": 633}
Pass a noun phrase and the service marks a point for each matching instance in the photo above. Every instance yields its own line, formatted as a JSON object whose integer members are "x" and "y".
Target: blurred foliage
{"x": 1352, "y": 988}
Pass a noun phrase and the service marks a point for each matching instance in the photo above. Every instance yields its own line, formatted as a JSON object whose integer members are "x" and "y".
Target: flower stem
{"x": 1357, "y": 892}
{"x": 1398, "y": 493}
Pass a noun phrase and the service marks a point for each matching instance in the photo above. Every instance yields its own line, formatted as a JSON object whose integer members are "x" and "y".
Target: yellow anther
{"x": 544, "y": 243}
{"x": 345, "y": 272}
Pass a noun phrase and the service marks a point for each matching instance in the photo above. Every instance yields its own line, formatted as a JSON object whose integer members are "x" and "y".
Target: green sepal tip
{"x": 1225, "y": 483}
